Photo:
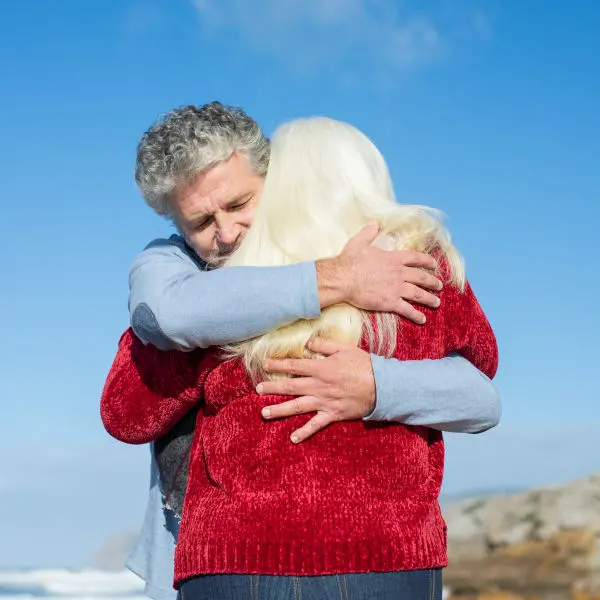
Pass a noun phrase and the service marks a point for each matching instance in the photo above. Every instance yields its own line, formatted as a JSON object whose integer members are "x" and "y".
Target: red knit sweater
{"x": 355, "y": 498}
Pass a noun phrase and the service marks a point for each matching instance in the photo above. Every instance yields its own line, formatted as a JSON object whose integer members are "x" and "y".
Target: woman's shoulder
{"x": 225, "y": 380}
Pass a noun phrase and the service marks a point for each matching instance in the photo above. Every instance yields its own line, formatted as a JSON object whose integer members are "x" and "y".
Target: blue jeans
{"x": 408, "y": 585}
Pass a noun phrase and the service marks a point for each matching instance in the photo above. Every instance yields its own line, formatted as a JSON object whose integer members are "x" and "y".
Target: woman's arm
{"x": 148, "y": 391}
{"x": 468, "y": 331}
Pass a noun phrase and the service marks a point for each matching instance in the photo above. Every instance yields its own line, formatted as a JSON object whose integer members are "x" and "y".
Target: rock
{"x": 542, "y": 544}
{"x": 468, "y": 537}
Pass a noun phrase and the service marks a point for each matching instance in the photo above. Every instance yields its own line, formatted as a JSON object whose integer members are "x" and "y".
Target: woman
{"x": 358, "y": 498}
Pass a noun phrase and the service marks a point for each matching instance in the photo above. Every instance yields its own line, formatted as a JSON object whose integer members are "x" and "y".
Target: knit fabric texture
{"x": 357, "y": 497}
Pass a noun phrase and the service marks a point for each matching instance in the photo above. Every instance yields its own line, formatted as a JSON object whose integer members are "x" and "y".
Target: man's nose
{"x": 227, "y": 233}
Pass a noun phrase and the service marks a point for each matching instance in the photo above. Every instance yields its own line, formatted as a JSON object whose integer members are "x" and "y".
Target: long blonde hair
{"x": 326, "y": 180}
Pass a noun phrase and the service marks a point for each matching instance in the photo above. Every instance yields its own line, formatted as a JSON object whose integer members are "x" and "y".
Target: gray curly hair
{"x": 192, "y": 139}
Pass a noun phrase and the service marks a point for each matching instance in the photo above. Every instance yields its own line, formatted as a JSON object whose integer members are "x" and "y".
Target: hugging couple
{"x": 295, "y": 353}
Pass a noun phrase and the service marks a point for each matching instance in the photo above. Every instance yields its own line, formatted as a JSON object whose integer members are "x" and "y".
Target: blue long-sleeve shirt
{"x": 175, "y": 303}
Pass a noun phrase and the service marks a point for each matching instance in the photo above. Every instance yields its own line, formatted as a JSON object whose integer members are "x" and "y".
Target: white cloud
{"x": 319, "y": 33}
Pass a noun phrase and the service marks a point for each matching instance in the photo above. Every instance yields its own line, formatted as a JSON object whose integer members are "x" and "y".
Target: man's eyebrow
{"x": 198, "y": 220}
{"x": 237, "y": 199}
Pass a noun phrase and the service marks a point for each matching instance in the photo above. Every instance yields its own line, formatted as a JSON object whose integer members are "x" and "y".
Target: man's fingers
{"x": 423, "y": 279}
{"x": 298, "y": 386}
{"x": 318, "y": 422}
{"x": 404, "y": 309}
{"x": 327, "y": 347}
{"x": 291, "y": 366}
{"x": 365, "y": 236}
{"x": 297, "y": 406}
{"x": 416, "y": 259}
{"x": 414, "y": 293}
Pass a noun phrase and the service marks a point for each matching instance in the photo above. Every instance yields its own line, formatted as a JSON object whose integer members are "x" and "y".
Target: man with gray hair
{"x": 203, "y": 167}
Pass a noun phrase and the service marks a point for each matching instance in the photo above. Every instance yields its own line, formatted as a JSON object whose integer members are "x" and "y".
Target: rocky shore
{"x": 538, "y": 545}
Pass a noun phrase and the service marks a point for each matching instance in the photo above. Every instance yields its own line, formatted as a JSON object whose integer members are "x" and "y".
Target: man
{"x": 204, "y": 168}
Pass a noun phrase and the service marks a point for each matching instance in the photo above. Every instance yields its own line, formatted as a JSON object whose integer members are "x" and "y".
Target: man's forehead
{"x": 224, "y": 179}
{"x": 207, "y": 194}
{"x": 235, "y": 170}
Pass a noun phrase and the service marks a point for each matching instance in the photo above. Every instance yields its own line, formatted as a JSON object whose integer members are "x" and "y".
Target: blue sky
{"x": 485, "y": 109}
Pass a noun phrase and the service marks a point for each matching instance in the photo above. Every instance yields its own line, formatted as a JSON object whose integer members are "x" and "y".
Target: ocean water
{"x": 64, "y": 584}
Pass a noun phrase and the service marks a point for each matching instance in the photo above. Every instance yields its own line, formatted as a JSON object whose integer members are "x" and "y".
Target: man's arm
{"x": 449, "y": 394}
{"x": 176, "y": 305}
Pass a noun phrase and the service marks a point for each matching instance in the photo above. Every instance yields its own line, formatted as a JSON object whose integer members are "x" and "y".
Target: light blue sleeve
{"x": 449, "y": 394}
{"x": 175, "y": 304}
{"x": 153, "y": 555}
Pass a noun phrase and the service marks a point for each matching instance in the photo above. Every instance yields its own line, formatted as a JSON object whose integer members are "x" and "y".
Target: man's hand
{"x": 339, "y": 387}
{"x": 378, "y": 280}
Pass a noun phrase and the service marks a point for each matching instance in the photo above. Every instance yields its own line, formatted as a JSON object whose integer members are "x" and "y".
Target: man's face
{"x": 214, "y": 210}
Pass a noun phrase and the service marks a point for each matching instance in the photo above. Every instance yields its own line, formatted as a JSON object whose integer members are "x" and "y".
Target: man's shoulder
{"x": 174, "y": 246}
{"x": 173, "y": 242}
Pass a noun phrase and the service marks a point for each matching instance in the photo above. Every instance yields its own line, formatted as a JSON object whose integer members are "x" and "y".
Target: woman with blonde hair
{"x": 353, "y": 512}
